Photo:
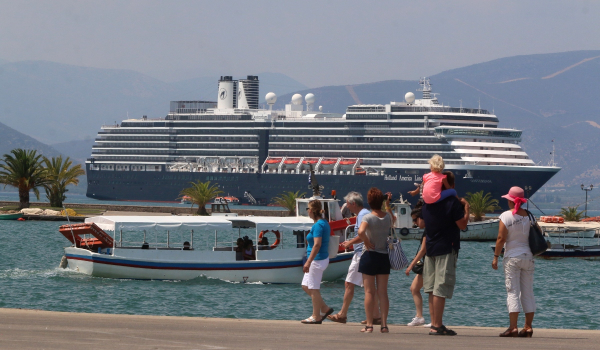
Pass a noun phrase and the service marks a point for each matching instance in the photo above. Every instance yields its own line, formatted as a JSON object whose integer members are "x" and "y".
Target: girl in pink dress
{"x": 433, "y": 181}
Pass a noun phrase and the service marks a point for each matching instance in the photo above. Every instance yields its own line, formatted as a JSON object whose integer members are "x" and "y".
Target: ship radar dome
{"x": 310, "y": 99}
{"x": 271, "y": 98}
{"x": 321, "y": 108}
{"x": 297, "y": 99}
{"x": 409, "y": 97}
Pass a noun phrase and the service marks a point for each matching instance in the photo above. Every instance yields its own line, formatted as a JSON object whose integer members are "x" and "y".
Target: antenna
{"x": 552, "y": 162}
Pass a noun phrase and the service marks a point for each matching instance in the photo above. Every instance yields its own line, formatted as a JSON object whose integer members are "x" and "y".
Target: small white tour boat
{"x": 187, "y": 247}
{"x": 486, "y": 230}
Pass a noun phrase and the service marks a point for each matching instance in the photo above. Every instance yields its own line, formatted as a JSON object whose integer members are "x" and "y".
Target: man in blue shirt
{"x": 355, "y": 203}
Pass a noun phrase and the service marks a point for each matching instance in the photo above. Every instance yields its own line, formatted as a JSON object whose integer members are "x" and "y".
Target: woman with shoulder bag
{"x": 416, "y": 266}
{"x": 375, "y": 262}
{"x": 513, "y": 236}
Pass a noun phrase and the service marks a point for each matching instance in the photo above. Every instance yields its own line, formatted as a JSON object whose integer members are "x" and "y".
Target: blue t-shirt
{"x": 358, "y": 247}
{"x": 319, "y": 229}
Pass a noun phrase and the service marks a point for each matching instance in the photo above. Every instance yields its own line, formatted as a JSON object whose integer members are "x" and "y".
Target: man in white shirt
{"x": 355, "y": 203}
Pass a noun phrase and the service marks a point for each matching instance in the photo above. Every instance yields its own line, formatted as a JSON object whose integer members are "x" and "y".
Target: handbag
{"x": 537, "y": 243}
{"x": 398, "y": 260}
{"x": 418, "y": 267}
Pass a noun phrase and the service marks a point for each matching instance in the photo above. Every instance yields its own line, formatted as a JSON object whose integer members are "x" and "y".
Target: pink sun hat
{"x": 515, "y": 192}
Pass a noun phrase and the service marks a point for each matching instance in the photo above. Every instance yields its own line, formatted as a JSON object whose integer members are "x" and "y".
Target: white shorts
{"x": 313, "y": 278}
{"x": 354, "y": 276}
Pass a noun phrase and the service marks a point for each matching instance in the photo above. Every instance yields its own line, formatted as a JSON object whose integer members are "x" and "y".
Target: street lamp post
{"x": 527, "y": 188}
{"x": 586, "y": 189}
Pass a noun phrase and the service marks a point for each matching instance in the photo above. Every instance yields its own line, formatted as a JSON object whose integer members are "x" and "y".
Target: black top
{"x": 440, "y": 220}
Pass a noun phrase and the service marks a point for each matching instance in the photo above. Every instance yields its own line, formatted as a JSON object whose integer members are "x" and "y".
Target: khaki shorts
{"x": 439, "y": 274}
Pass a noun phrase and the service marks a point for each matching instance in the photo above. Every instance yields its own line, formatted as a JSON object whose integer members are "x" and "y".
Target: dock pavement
{"x": 35, "y": 329}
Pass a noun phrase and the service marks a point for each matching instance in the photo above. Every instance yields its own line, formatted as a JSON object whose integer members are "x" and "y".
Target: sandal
{"x": 337, "y": 318}
{"x": 384, "y": 329}
{"x": 510, "y": 332}
{"x": 441, "y": 331}
{"x": 376, "y": 321}
{"x": 525, "y": 333}
{"x": 311, "y": 320}
{"x": 367, "y": 329}
{"x": 329, "y": 312}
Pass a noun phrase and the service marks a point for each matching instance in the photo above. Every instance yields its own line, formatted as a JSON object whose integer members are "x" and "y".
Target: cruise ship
{"x": 258, "y": 154}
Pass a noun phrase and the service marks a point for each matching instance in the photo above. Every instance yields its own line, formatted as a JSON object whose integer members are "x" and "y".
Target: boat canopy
{"x": 112, "y": 223}
{"x": 272, "y": 223}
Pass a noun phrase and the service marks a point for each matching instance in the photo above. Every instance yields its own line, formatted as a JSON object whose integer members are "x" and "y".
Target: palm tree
{"x": 288, "y": 201}
{"x": 23, "y": 169}
{"x": 200, "y": 194}
{"x": 571, "y": 214}
{"x": 481, "y": 204}
{"x": 60, "y": 174}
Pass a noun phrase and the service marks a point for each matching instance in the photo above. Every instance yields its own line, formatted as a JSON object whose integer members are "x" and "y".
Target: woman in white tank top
{"x": 513, "y": 236}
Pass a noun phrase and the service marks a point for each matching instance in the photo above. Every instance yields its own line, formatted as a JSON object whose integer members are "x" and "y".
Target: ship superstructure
{"x": 264, "y": 151}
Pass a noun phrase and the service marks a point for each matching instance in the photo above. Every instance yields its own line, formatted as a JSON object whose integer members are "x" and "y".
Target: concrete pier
{"x": 33, "y": 329}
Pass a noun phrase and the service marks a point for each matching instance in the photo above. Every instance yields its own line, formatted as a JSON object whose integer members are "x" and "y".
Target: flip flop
{"x": 367, "y": 329}
{"x": 329, "y": 312}
{"x": 337, "y": 318}
{"x": 311, "y": 320}
{"x": 384, "y": 329}
{"x": 441, "y": 331}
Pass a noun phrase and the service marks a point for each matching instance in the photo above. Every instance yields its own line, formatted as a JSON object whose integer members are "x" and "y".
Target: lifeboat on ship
{"x": 307, "y": 162}
{"x": 328, "y": 163}
{"x": 360, "y": 171}
{"x": 273, "y": 163}
{"x": 347, "y": 164}
{"x": 291, "y": 163}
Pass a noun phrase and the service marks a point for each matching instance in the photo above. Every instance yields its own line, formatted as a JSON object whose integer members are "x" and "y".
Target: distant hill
{"x": 78, "y": 150}
{"x": 11, "y": 139}
{"x": 61, "y": 103}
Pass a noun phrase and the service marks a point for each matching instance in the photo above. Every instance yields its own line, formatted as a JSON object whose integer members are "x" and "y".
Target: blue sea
{"x": 566, "y": 290}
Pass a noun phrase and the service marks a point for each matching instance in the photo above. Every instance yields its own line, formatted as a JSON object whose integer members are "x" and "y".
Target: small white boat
{"x": 567, "y": 234}
{"x": 182, "y": 247}
{"x": 476, "y": 231}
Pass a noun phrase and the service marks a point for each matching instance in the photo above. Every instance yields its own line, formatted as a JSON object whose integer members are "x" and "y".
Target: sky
{"x": 317, "y": 43}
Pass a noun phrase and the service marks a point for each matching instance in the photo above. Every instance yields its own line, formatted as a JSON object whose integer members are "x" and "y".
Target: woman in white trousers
{"x": 513, "y": 236}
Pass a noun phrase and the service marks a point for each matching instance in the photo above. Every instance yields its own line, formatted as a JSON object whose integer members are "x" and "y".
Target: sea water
{"x": 566, "y": 291}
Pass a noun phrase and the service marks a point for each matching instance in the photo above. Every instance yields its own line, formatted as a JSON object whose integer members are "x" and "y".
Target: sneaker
{"x": 417, "y": 321}
{"x": 427, "y": 325}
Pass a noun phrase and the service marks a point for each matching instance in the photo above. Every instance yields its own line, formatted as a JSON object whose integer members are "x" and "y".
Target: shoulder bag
{"x": 418, "y": 267}
{"x": 537, "y": 243}
{"x": 398, "y": 260}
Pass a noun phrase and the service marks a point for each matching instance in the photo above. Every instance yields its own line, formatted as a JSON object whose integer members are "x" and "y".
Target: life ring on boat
{"x": 404, "y": 231}
{"x": 277, "y": 237}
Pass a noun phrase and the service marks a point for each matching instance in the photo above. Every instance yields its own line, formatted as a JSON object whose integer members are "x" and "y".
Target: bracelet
{"x": 495, "y": 256}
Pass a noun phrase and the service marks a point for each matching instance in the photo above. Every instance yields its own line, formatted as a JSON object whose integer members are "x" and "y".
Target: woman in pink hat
{"x": 513, "y": 236}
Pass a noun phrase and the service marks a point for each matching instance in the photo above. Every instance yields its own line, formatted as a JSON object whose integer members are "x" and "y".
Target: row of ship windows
{"x": 174, "y": 153}
{"x": 166, "y": 138}
{"x": 178, "y": 145}
{"x": 419, "y": 117}
{"x": 367, "y": 146}
{"x": 495, "y": 156}
{"x": 386, "y": 154}
{"x": 278, "y": 131}
{"x": 432, "y": 139}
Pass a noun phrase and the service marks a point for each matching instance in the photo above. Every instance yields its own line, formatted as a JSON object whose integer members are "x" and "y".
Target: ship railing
{"x": 111, "y": 126}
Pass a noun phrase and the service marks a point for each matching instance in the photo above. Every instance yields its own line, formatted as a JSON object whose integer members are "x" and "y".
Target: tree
{"x": 288, "y": 201}
{"x": 59, "y": 175}
{"x": 201, "y": 193}
{"x": 23, "y": 169}
{"x": 571, "y": 214}
{"x": 481, "y": 204}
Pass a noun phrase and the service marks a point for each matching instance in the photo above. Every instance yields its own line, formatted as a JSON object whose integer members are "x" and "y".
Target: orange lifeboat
{"x": 312, "y": 161}
{"x": 291, "y": 163}
{"x": 348, "y": 162}
{"x": 273, "y": 162}
{"x": 360, "y": 171}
